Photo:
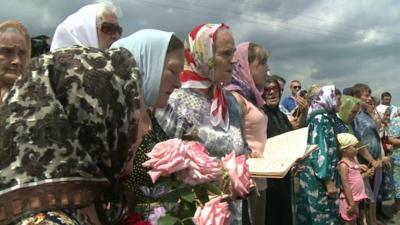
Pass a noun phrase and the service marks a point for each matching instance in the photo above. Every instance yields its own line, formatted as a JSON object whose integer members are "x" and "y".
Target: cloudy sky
{"x": 316, "y": 41}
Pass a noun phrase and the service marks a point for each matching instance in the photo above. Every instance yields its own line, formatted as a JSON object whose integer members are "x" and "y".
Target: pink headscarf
{"x": 199, "y": 71}
{"x": 242, "y": 78}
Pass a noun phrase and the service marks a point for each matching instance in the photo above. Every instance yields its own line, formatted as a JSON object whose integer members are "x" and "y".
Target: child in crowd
{"x": 351, "y": 173}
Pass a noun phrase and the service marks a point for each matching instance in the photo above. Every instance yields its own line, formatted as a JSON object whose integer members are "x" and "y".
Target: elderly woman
{"x": 367, "y": 131}
{"x": 160, "y": 71}
{"x": 94, "y": 25}
{"x": 15, "y": 52}
{"x": 65, "y": 129}
{"x": 202, "y": 109}
{"x": 349, "y": 108}
{"x": 317, "y": 198}
{"x": 279, "y": 202}
{"x": 102, "y": 123}
{"x": 249, "y": 76}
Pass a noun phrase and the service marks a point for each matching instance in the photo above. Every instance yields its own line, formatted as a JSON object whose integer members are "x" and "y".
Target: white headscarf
{"x": 382, "y": 109}
{"x": 149, "y": 49}
{"x": 77, "y": 29}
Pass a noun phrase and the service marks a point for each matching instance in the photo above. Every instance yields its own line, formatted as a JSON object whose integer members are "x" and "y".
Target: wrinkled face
{"x": 108, "y": 30}
{"x": 295, "y": 87}
{"x": 259, "y": 72}
{"x": 271, "y": 94}
{"x": 224, "y": 49}
{"x": 13, "y": 60}
{"x": 386, "y": 100}
{"x": 170, "y": 78}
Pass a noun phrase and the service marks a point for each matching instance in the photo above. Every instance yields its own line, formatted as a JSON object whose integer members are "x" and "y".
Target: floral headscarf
{"x": 348, "y": 103}
{"x": 325, "y": 99}
{"x": 22, "y": 29}
{"x": 199, "y": 73}
{"x": 394, "y": 127}
{"x": 381, "y": 109}
{"x": 242, "y": 79}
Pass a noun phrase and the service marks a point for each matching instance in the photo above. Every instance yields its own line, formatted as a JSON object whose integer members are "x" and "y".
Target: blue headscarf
{"x": 149, "y": 49}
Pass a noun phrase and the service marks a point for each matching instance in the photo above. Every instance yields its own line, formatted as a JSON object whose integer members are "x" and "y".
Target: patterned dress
{"x": 394, "y": 131}
{"x": 139, "y": 176}
{"x": 188, "y": 113}
{"x": 313, "y": 205}
{"x": 64, "y": 131}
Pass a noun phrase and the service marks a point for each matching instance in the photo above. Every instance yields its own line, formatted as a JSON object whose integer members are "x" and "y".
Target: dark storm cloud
{"x": 319, "y": 41}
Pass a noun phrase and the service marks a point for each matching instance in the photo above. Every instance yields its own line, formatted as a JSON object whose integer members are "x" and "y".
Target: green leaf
{"x": 213, "y": 188}
{"x": 172, "y": 197}
{"x": 188, "y": 221}
{"x": 188, "y": 195}
{"x": 186, "y": 209}
{"x": 202, "y": 194}
{"x": 168, "y": 220}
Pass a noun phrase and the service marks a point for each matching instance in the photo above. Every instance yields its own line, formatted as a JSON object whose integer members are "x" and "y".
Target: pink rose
{"x": 239, "y": 174}
{"x": 201, "y": 168}
{"x": 156, "y": 214}
{"x": 166, "y": 158}
{"x": 214, "y": 212}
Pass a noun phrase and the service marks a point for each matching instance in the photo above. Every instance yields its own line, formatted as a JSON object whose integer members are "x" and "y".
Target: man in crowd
{"x": 386, "y": 99}
{"x": 289, "y": 103}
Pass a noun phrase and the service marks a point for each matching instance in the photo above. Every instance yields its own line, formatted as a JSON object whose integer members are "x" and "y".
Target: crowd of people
{"x": 78, "y": 118}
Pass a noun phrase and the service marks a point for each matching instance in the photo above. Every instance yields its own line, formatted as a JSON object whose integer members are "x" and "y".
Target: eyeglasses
{"x": 297, "y": 87}
{"x": 270, "y": 89}
{"x": 110, "y": 28}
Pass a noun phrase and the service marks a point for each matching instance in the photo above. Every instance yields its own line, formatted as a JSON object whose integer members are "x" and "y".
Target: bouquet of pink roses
{"x": 185, "y": 176}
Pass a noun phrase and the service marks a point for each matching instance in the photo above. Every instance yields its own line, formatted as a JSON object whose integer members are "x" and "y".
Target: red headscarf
{"x": 199, "y": 71}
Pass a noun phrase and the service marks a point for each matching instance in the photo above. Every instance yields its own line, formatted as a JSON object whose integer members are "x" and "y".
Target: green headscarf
{"x": 348, "y": 103}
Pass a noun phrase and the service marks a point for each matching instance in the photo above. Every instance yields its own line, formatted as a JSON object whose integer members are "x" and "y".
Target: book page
{"x": 280, "y": 153}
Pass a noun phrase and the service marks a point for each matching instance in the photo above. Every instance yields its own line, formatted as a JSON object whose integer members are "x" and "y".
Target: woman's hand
{"x": 389, "y": 147}
{"x": 330, "y": 188}
{"x": 369, "y": 173}
{"x": 376, "y": 164}
{"x": 386, "y": 161}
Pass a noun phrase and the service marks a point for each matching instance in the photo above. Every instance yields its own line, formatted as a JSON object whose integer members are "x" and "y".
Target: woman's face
{"x": 354, "y": 112}
{"x": 170, "y": 78}
{"x": 366, "y": 97}
{"x": 271, "y": 94}
{"x": 224, "y": 56}
{"x": 13, "y": 52}
{"x": 338, "y": 101}
{"x": 386, "y": 116}
{"x": 259, "y": 72}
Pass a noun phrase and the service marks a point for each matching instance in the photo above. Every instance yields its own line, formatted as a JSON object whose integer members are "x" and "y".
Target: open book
{"x": 280, "y": 154}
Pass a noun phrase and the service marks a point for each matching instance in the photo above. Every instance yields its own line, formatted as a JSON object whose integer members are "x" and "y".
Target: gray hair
{"x": 106, "y": 6}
